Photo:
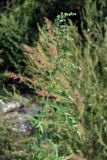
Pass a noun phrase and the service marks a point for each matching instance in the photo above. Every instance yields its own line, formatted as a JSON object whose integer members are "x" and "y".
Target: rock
{"x": 15, "y": 115}
{"x": 15, "y": 128}
{"x": 9, "y": 106}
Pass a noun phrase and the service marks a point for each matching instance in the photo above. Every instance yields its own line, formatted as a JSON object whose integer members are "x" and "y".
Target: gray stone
{"x": 9, "y": 106}
{"x": 16, "y": 129}
{"x": 15, "y": 115}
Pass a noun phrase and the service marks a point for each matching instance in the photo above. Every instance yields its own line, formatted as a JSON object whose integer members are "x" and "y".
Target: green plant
{"x": 56, "y": 122}
{"x": 11, "y": 38}
{"x": 71, "y": 84}
{"x": 83, "y": 96}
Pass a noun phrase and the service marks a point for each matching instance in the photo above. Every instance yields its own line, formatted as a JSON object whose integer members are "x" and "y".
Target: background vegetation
{"x": 55, "y": 52}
